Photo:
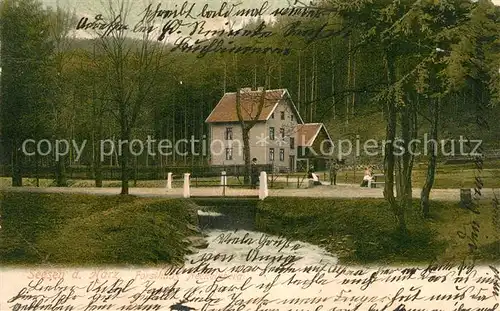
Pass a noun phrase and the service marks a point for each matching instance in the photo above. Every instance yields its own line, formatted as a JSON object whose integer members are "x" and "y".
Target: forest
{"x": 380, "y": 69}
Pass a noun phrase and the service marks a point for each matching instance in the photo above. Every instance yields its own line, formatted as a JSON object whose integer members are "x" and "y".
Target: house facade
{"x": 278, "y": 136}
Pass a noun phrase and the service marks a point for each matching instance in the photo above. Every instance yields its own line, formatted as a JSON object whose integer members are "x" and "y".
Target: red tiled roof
{"x": 306, "y": 133}
{"x": 225, "y": 111}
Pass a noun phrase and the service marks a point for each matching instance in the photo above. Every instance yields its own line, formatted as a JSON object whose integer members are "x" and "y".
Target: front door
{"x": 291, "y": 165}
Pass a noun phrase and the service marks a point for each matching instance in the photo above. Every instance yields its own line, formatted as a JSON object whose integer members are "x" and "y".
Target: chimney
{"x": 246, "y": 89}
{"x": 260, "y": 88}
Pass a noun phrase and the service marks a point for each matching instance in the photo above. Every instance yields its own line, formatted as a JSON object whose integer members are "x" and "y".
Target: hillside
{"x": 369, "y": 124}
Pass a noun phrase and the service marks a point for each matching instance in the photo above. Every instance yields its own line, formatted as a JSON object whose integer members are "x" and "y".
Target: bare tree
{"x": 249, "y": 114}
{"x": 133, "y": 66}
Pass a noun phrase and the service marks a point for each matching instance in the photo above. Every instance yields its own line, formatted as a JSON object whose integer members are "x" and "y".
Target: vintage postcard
{"x": 249, "y": 155}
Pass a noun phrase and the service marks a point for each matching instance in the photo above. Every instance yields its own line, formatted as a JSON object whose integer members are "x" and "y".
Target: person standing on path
{"x": 334, "y": 168}
{"x": 254, "y": 177}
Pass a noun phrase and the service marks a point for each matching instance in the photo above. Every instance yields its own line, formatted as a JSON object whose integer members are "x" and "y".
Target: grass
{"x": 57, "y": 229}
{"x": 361, "y": 231}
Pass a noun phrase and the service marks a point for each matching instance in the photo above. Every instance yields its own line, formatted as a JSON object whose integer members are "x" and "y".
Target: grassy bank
{"x": 92, "y": 230}
{"x": 361, "y": 231}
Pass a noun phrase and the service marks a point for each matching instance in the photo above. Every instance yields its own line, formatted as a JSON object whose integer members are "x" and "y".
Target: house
{"x": 279, "y": 136}
{"x": 315, "y": 146}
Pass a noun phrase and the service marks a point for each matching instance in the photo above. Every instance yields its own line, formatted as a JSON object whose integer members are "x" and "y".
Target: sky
{"x": 90, "y": 8}
{"x": 93, "y": 7}
{"x": 90, "y": 5}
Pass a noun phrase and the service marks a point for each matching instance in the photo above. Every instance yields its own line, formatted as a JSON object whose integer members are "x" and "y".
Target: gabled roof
{"x": 307, "y": 133}
{"x": 225, "y": 111}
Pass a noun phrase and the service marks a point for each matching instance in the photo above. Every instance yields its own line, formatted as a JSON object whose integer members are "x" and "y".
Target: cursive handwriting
{"x": 186, "y": 25}
{"x": 286, "y": 284}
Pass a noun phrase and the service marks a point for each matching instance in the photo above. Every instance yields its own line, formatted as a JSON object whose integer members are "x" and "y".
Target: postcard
{"x": 249, "y": 155}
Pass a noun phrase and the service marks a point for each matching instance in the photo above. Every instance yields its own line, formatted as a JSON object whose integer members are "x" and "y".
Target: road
{"x": 326, "y": 191}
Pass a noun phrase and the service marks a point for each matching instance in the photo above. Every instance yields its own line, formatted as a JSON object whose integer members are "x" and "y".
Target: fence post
{"x": 263, "y": 191}
{"x": 186, "y": 192}
{"x": 272, "y": 178}
{"x": 223, "y": 182}
{"x": 223, "y": 178}
{"x": 169, "y": 180}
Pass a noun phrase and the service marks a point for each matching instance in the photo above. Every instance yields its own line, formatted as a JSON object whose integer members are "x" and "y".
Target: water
{"x": 231, "y": 229}
{"x": 227, "y": 217}
{"x": 309, "y": 254}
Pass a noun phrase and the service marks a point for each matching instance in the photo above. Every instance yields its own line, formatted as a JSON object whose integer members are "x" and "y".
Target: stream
{"x": 232, "y": 230}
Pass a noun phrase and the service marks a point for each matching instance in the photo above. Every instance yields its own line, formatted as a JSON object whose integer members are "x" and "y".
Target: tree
{"x": 26, "y": 62}
{"x": 133, "y": 66}
{"x": 248, "y": 115}
{"x": 451, "y": 27}
{"x": 63, "y": 112}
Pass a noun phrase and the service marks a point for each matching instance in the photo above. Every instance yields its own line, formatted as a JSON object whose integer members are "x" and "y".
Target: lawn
{"x": 92, "y": 230}
{"x": 361, "y": 231}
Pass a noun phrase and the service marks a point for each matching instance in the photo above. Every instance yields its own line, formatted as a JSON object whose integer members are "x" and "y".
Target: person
{"x": 254, "y": 174}
{"x": 367, "y": 177}
{"x": 334, "y": 168}
{"x": 310, "y": 172}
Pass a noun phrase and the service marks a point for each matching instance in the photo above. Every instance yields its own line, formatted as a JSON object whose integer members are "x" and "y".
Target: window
{"x": 292, "y": 143}
{"x": 229, "y": 153}
{"x": 282, "y": 132}
{"x": 282, "y": 155}
{"x": 271, "y": 133}
{"x": 272, "y": 115}
{"x": 291, "y": 117}
{"x": 271, "y": 154}
{"x": 229, "y": 133}
{"x": 282, "y": 115}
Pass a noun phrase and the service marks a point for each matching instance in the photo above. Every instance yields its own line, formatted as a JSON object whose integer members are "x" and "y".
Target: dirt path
{"x": 327, "y": 191}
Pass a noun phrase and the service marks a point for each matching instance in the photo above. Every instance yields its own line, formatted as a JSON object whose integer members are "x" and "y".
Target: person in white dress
{"x": 367, "y": 177}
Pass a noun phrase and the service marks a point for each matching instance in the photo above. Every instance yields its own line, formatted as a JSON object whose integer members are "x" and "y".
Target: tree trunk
{"x": 98, "y": 170}
{"x": 304, "y": 113}
{"x": 37, "y": 169}
{"x": 389, "y": 156}
{"x": 432, "y": 161}
{"x": 246, "y": 155}
{"x": 61, "y": 180}
{"x": 125, "y": 136}
{"x": 313, "y": 79}
{"x": 97, "y": 158}
{"x": 299, "y": 98}
{"x": 333, "y": 82}
{"x": 348, "y": 84}
{"x": 406, "y": 166}
{"x": 353, "y": 102}
{"x": 17, "y": 178}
